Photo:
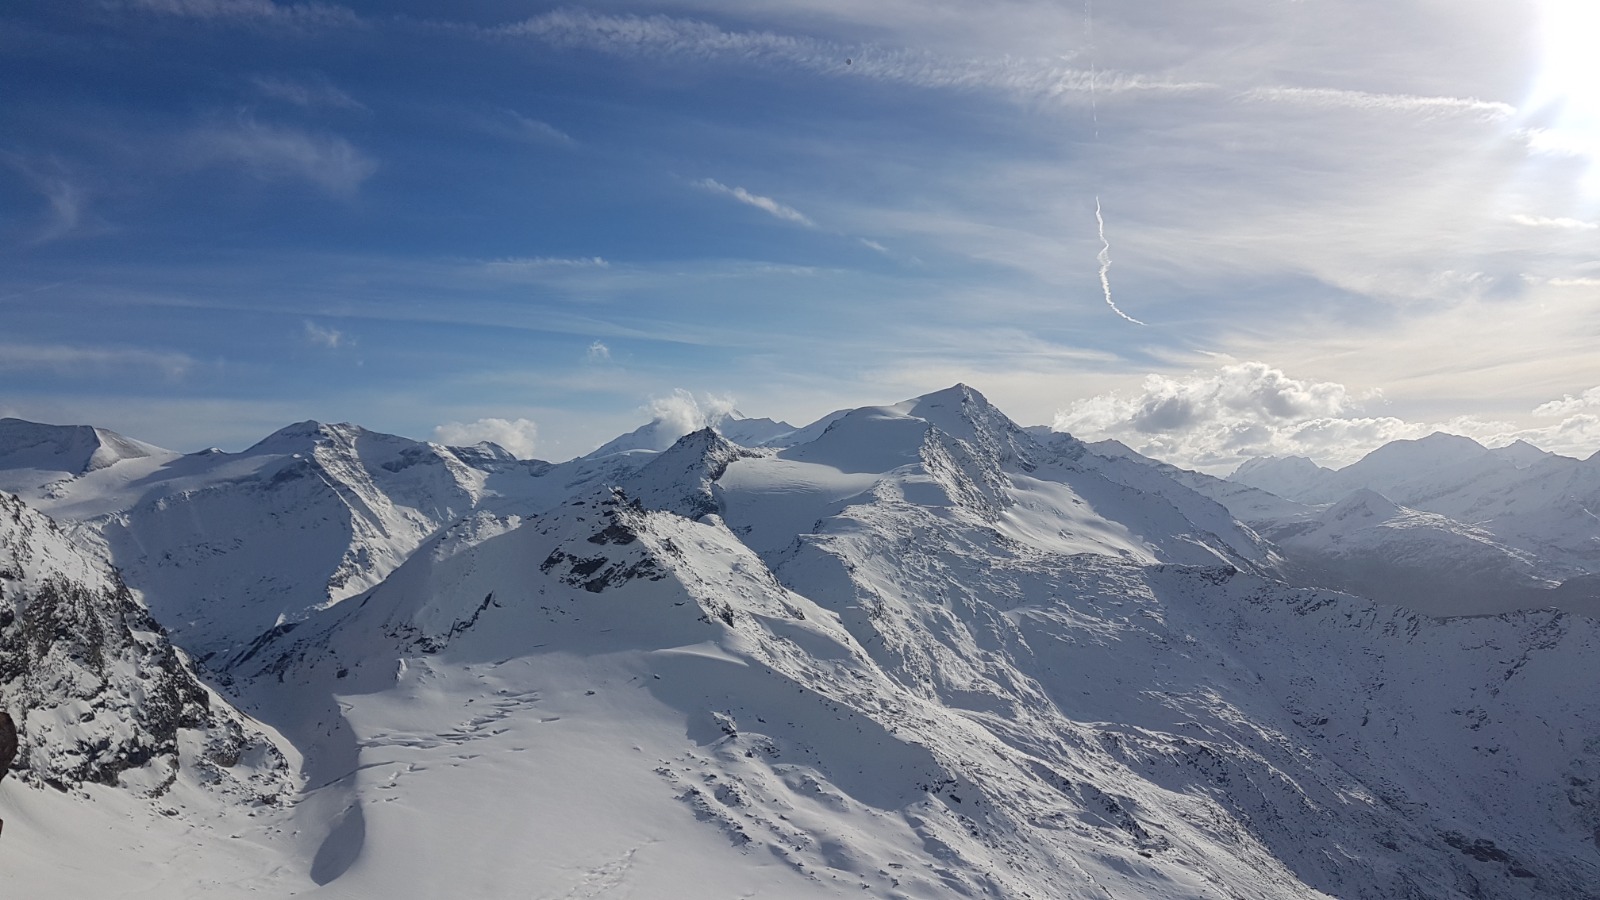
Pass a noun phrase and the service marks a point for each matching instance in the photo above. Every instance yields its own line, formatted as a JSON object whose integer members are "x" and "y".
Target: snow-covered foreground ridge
{"x": 915, "y": 652}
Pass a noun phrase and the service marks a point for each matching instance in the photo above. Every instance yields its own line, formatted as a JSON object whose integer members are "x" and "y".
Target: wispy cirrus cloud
{"x": 530, "y": 265}
{"x": 671, "y": 36}
{"x": 1332, "y": 98}
{"x": 70, "y": 359}
{"x": 298, "y": 15}
{"x": 316, "y": 93}
{"x": 1560, "y": 222}
{"x": 766, "y": 204}
{"x": 323, "y": 336}
{"x": 66, "y": 198}
{"x": 515, "y": 126}
{"x": 276, "y": 152}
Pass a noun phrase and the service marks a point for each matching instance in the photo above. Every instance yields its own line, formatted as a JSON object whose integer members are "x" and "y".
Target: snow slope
{"x": 921, "y": 655}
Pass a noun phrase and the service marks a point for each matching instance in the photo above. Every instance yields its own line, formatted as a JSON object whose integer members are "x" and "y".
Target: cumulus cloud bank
{"x": 1569, "y": 404}
{"x": 517, "y": 436}
{"x": 1216, "y": 420}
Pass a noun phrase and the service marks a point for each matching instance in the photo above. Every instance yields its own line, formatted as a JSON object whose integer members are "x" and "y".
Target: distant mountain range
{"x": 907, "y": 651}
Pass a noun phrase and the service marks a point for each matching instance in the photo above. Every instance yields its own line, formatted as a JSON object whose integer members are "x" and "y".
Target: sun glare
{"x": 1569, "y": 83}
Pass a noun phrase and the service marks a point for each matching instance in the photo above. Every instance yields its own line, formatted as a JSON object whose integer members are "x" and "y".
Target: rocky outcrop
{"x": 102, "y": 695}
{"x": 8, "y": 743}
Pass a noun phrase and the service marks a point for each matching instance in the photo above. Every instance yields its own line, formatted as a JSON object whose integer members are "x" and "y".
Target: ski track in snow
{"x": 603, "y": 879}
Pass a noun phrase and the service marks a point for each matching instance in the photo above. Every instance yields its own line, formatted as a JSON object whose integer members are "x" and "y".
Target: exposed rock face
{"x": 8, "y": 743}
{"x": 103, "y": 696}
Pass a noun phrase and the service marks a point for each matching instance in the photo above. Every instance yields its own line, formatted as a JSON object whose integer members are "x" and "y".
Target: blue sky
{"x": 1335, "y": 223}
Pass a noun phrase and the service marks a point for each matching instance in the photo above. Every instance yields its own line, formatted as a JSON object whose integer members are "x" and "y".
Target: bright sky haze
{"x": 1208, "y": 228}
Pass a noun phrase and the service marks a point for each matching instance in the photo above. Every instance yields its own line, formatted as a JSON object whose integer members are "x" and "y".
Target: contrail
{"x": 1105, "y": 264}
{"x": 1088, "y": 30}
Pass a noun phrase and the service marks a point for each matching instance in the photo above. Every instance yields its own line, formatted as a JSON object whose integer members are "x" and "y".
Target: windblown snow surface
{"x": 919, "y": 654}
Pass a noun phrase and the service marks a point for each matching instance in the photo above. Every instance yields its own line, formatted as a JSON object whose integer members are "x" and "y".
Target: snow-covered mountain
{"x": 1370, "y": 545}
{"x": 921, "y": 654}
{"x": 1543, "y": 506}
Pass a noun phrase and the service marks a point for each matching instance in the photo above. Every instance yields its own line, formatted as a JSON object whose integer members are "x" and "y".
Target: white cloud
{"x": 527, "y": 264}
{"x": 65, "y": 359}
{"x": 1576, "y": 435}
{"x": 765, "y": 204}
{"x": 1380, "y": 102}
{"x": 1569, "y": 404}
{"x": 1216, "y": 420}
{"x": 1561, "y": 143}
{"x": 681, "y": 412}
{"x": 1560, "y": 222}
{"x": 598, "y": 352}
{"x": 1212, "y": 421}
{"x": 527, "y": 128}
{"x": 66, "y": 201}
{"x": 321, "y": 336}
{"x": 66, "y": 198}
{"x": 274, "y": 152}
{"x": 310, "y": 95}
{"x": 253, "y": 11}
{"x": 518, "y": 436}
{"x": 1031, "y": 77}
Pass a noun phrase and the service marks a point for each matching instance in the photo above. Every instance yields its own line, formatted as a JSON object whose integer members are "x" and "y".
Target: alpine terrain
{"x": 910, "y": 651}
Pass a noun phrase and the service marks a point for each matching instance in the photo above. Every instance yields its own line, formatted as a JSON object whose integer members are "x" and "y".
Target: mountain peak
{"x": 72, "y": 449}
{"x": 1362, "y": 503}
{"x": 1446, "y": 439}
{"x": 1521, "y": 454}
{"x": 679, "y": 479}
{"x": 303, "y": 435}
